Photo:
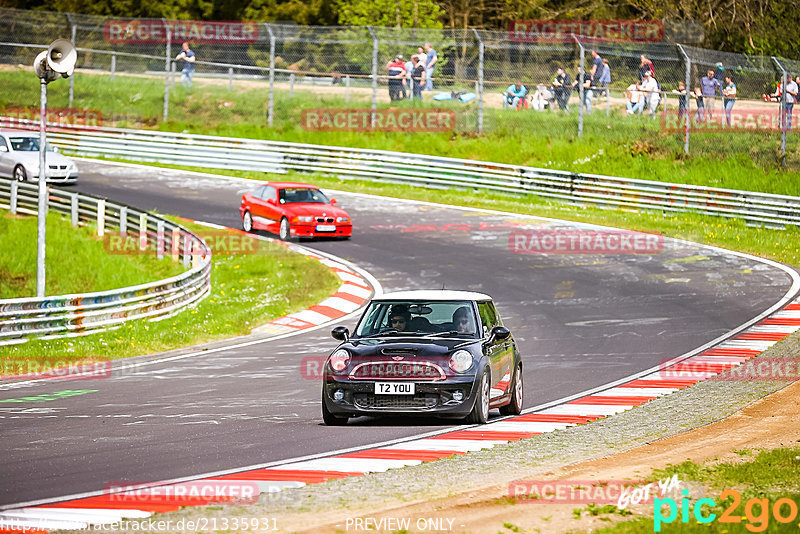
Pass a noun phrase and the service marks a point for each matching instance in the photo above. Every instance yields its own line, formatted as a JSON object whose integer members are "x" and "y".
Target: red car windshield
{"x": 292, "y": 195}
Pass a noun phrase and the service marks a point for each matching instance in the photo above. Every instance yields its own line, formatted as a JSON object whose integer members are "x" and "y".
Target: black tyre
{"x": 247, "y": 222}
{"x": 328, "y": 418}
{"x": 480, "y": 412}
{"x": 285, "y": 230}
{"x": 515, "y": 406}
{"x": 19, "y": 173}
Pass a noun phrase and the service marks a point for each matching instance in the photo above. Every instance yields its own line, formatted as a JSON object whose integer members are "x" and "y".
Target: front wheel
{"x": 19, "y": 173}
{"x": 515, "y": 406}
{"x": 247, "y": 222}
{"x": 480, "y": 412}
{"x": 284, "y": 232}
{"x": 328, "y": 418}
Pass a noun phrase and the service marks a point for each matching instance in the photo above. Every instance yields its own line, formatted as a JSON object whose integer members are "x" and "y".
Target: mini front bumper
{"x": 430, "y": 398}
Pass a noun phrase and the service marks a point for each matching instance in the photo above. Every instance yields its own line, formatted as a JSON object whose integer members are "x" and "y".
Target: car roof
{"x": 433, "y": 294}
{"x": 279, "y": 185}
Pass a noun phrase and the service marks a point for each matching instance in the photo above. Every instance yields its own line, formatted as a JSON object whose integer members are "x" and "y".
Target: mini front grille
{"x": 397, "y": 370}
{"x": 378, "y": 402}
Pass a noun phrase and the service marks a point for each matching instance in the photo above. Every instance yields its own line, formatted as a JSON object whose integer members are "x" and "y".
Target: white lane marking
{"x": 775, "y": 328}
{"x": 347, "y": 277}
{"x": 349, "y": 465}
{"x": 622, "y": 391}
{"x": 787, "y": 314}
{"x": 269, "y": 486}
{"x": 311, "y": 316}
{"x": 339, "y": 303}
{"x": 357, "y": 291}
{"x": 585, "y": 409}
{"x": 512, "y": 425}
{"x": 750, "y": 344}
{"x": 465, "y": 445}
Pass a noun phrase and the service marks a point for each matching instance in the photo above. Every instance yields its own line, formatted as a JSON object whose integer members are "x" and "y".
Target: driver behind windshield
{"x": 462, "y": 321}
{"x": 399, "y": 318}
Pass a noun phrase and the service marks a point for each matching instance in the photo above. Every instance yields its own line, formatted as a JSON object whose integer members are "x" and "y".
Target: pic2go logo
{"x": 784, "y": 510}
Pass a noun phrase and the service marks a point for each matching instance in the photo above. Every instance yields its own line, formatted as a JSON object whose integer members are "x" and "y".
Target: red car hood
{"x": 316, "y": 210}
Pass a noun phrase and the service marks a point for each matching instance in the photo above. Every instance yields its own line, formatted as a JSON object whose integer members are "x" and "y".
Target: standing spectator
{"x": 652, "y": 94}
{"x": 562, "y": 87}
{"x": 710, "y": 85}
{"x": 422, "y": 57}
{"x": 397, "y": 74}
{"x": 719, "y": 72}
{"x": 407, "y": 83}
{"x": 587, "y": 89}
{"x": 635, "y": 99}
{"x": 516, "y": 96}
{"x": 597, "y": 73}
{"x": 418, "y": 76}
{"x": 729, "y": 94}
{"x": 791, "y": 97}
{"x": 187, "y": 72}
{"x": 683, "y": 100}
{"x": 605, "y": 78}
{"x": 430, "y": 61}
{"x": 644, "y": 66}
{"x": 701, "y": 107}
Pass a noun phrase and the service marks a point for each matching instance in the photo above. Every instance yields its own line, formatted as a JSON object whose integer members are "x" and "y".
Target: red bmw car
{"x": 292, "y": 209}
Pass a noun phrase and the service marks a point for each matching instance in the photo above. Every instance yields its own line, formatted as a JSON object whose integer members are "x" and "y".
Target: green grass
{"x": 247, "y": 290}
{"x": 69, "y": 254}
{"x": 769, "y": 475}
{"x": 626, "y": 146}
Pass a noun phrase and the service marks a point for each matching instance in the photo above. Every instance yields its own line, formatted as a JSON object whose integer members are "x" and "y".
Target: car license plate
{"x": 326, "y": 228}
{"x": 394, "y": 388}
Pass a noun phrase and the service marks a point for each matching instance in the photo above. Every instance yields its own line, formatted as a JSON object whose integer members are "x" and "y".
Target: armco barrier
{"x": 419, "y": 170}
{"x": 85, "y": 313}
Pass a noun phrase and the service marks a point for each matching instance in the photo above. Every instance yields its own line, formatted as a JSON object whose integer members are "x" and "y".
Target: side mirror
{"x": 270, "y": 201}
{"x": 499, "y": 333}
{"x": 333, "y": 201}
{"x": 341, "y": 333}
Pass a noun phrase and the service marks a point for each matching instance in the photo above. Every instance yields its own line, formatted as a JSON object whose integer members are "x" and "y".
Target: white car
{"x": 19, "y": 158}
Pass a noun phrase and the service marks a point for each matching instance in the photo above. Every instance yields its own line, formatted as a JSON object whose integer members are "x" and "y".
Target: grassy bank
{"x": 620, "y": 145}
{"x": 247, "y": 290}
{"x": 76, "y": 261}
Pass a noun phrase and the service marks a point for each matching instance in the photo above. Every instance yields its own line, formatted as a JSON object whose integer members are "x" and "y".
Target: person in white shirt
{"x": 635, "y": 99}
{"x": 650, "y": 88}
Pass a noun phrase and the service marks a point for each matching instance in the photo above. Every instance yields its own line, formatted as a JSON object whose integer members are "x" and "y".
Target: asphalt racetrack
{"x": 581, "y": 321}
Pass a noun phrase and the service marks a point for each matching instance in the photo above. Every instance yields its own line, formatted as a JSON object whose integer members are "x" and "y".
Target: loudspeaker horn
{"x": 61, "y": 57}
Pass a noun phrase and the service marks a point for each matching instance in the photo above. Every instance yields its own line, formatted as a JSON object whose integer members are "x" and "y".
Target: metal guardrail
{"x": 85, "y": 313}
{"x": 420, "y": 170}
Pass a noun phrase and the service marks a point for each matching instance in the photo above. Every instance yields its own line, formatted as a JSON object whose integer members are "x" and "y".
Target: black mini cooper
{"x": 443, "y": 353}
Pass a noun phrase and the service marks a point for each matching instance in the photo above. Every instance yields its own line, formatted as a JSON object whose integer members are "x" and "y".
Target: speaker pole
{"x": 42, "y": 222}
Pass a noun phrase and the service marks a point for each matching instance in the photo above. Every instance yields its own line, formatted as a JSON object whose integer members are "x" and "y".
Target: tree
{"x": 397, "y": 13}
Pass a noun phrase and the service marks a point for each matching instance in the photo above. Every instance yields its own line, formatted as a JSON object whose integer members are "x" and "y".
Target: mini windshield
{"x": 296, "y": 195}
{"x": 418, "y": 318}
{"x": 27, "y": 144}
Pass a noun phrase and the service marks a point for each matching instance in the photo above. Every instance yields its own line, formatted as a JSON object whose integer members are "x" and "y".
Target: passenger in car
{"x": 399, "y": 318}
{"x": 462, "y": 321}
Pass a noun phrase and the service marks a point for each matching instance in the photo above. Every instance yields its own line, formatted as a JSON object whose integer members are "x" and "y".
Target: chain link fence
{"x": 338, "y": 78}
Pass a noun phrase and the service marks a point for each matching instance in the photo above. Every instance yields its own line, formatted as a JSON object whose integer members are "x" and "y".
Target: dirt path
{"x": 769, "y": 423}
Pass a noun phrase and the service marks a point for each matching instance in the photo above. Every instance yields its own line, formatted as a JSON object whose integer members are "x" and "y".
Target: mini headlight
{"x": 460, "y": 361}
{"x": 342, "y": 219}
{"x": 339, "y": 360}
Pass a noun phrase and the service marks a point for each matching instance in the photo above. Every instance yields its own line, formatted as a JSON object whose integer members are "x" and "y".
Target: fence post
{"x": 113, "y": 65}
{"x": 73, "y": 209}
{"x": 581, "y": 89}
{"x": 166, "y": 71}
{"x": 480, "y": 80}
{"x": 160, "y": 239}
{"x": 374, "y": 76}
{"x": 271, "y": 102}
{"x": 782, "y": 116}
{"x": 101, "y": 217}
{"x": 175, "y": 243}
{"x": 688, "y": 83}
{"x": 187, "y": 257}
{"x": 291, "y": 85}
{"x": 142, "y": 231}
{"x": 123, "y": 221}
{"x": 13, "y": 201}
{"x": 73, "y": 30}
{"x": 230, "y": 79}
{"x": 346, "y": 88}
